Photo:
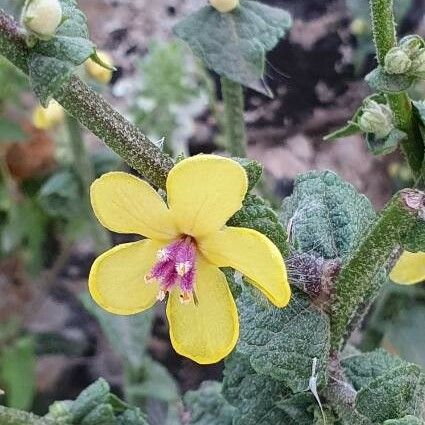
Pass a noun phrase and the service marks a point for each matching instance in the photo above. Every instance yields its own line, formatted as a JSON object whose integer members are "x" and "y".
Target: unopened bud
{"x": 377, "y": 118}
{"x": 418, "y": 65}
{"x": 99, "y": 73}
{"x": 42, "y": 17}
{"x": 411, "y": 44}
{"x": 397, "y": 61}
{"x": 358, "y": 26}
{"x": 224, "y": 6}
{"x": 47, "y": 118}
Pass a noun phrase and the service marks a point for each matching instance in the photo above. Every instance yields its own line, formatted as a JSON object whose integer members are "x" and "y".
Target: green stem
{"x": 92, "y": 111}
{"x": 384, "y": 35}
{"x": 234, "y": 121}
{"x": 85, "y": 172}
{"x": 359, "y": 280}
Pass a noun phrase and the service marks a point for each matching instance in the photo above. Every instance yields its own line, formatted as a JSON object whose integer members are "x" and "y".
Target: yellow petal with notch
{"x": 126, "y": 204}
{"x": 409, "y": 269}
{"x": 208, "y": 331}
{"x": 204, "y": 191}
{"x": 252, "y": 254}
{"x": 116, "y": 280}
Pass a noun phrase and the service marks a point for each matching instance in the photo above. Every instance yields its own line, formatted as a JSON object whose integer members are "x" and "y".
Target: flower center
{"x": 175, "y": 265}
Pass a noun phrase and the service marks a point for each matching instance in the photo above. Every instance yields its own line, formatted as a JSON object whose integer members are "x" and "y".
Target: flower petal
{"x": 116, "y": 280}
{"x": 409, "y": 269}
{"x": 204, "y": 191}
{"x": 254, "y": 255}
{"x": 208, "y": 331}
{"x": 126, "y": 204}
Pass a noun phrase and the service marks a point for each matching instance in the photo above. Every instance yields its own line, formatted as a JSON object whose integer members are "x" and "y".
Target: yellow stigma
{"x": 97, "y": 72}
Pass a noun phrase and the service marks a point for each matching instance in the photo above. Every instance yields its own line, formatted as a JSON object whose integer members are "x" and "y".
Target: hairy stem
{"x": 234, "y": 121}
{"x": 384, "y": 35}
{"x": 85, "y": 172}
{"x": 10, "y": 416}
{"x": 359, "y": 281}
{"x": 93, "y": 112}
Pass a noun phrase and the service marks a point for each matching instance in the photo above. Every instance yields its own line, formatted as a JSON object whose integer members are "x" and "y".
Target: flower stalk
{"x": 233, "y": 100}
{"x": 92, "y": 111}
{"x": 385, "y": 38}
{"x": 358, "y": 282}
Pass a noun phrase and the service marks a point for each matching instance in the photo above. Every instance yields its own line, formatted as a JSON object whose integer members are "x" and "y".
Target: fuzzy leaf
{"x": 384, "y": 146}
{"x": 234, "y": 44}
{"x": 126, "y": 334}
{"x": 256, "y": 214}
{"x": 406, "y": 420}
{"x": 380, "y": 81}
{"x": 52, "y": 62}
{"x": 258, "y": 398}
{"x": 253, "y": 170}
{"x": 207, "y": 405}
{"x": 102, "y": 414}
{"x": 326, "y": 215}
{"x": 363, "y": 368}
{"x": 399, "y": 392}
{"x": 282, "y": 343}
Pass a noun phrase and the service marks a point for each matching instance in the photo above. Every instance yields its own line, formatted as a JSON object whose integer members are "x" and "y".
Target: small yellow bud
{"x": 358, "y": 26}
{"x": 97, "y": 72}
{"x": 397, "y": 61}
{"x": 224, "y": 6}
{"x": 47, "y": 118}
{"x": 42, "y": 17}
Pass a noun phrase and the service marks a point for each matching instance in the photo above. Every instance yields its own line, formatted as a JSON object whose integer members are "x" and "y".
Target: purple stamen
{"x": 175, "y": 265}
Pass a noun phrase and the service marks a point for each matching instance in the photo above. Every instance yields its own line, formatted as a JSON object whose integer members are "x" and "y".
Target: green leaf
{"x": 94, "y": 395}
{"x": 207, "y": 405}
{"x": 399, "y": 392}
{"x": 380, "y": 81}
{"x": 127, "y": 334}
{"x": 326, "y": 215}
{"x": 253, "y": 170}
{"x": 256, "y": 214}
{"x": 10, "y": 132}
{"x": 282, "y": 343}
{"x": 260, "y": 399}
{"x": 132, "y": 417}
{"x": 234, "y": 44}
{"x": 18, "y": 373}
{"x": 102, "y": 414}
{"x": 364, "y": 368}
{"x": 52, "y": 62}
{"x": 348, "y": 130}
{"x": 406, "y": 420}
{"x": 384, "y": 146}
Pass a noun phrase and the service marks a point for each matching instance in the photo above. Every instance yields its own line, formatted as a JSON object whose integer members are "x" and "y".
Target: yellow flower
{"x": 224, "y": 6}
{"x": 187, "y": 241}
{"x": 97, "y": 72}
{"x": 47, "y": 118}
{"x": 409, "y": 269}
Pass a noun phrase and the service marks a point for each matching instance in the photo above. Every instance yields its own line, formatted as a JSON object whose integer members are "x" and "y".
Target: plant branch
{"x": 358, "y": 282}
{"x": 92, "y": 111}
{"x": 384, "y": 35}
{"x": 233, "y": 100}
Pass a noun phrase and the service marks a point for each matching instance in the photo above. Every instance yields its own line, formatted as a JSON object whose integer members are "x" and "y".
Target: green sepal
{"x": 52, "y": 62}
{"x": 382, "y": 82}
{"x": 207, "y": 406}
{"x": 234, "y": 44}
{"x": 379, "y": 147}
{"x": 256, "y": 214}
{"x": 253, "y": 170}
{"x": 95, "y": 58}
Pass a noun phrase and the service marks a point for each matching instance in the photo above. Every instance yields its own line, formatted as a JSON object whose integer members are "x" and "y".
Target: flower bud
{"x": 42, "y": 17}
{"x": 98, "y": 72}
{"x": 397, "y": 61}
{"x": 418, "y": 65}
{"x": 47, "y": 118}
{"x": 224, "y": 6}
{"x": 376, "y": 118}
{"x": 411, "y": 44}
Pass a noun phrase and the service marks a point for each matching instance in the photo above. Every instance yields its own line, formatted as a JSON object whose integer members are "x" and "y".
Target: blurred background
{"x": 53, "y": 340}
